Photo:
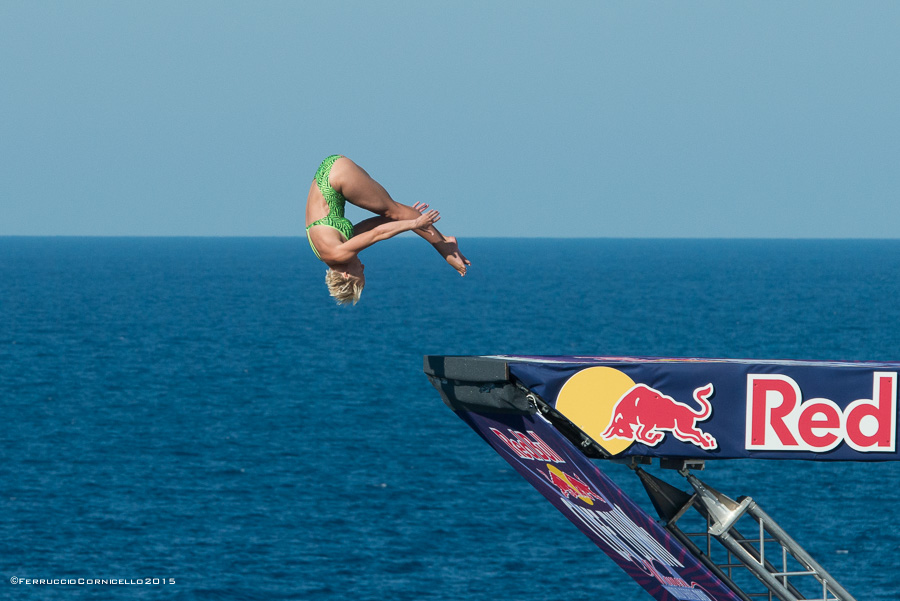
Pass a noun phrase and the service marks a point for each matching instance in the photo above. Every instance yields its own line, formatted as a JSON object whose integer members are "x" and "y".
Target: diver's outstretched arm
{"x": 367, "y": 224}
{"x": 376, "y": 232}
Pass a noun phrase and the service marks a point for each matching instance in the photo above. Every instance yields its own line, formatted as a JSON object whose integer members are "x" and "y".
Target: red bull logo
{"x": 644, "y": 414}
{"x": 616, "y": 411}
{"x": 570, "y": 485}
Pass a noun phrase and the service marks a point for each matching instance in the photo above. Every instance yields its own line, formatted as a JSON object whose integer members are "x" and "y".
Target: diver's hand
{"x": 426, "y": 218}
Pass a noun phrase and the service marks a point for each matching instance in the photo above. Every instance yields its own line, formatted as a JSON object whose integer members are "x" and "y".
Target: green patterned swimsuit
{"x": 335, "y": 217}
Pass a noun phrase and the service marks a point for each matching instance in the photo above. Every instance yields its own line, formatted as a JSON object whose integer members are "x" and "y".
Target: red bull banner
{"x": 596, "y": 506}
{"x": 726, "y": 409}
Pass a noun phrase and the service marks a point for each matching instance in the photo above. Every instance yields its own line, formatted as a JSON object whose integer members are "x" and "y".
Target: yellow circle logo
{"x": 588, "y": 399}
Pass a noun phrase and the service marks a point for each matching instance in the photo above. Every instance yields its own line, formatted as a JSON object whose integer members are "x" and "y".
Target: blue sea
{"x": 197, "y": 411}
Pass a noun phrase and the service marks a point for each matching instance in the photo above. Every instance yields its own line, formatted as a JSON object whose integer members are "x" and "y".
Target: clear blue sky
{"x": 520, "y": 118}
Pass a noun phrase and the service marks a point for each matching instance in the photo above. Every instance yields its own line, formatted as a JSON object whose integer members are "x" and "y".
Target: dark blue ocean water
{"x": 199, "y": 410}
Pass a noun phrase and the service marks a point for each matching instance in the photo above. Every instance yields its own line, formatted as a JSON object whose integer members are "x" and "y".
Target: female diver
{"x": 337, "y": 242}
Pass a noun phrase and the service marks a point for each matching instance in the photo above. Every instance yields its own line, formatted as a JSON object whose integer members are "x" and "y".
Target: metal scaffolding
{"x": 767, "y": 564}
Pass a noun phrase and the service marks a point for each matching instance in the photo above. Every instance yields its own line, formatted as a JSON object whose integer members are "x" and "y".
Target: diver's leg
{"x": 360, "y": 189}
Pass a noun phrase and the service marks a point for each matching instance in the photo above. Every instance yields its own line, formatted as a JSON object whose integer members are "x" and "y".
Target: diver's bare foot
{"x": 449, "y": 249}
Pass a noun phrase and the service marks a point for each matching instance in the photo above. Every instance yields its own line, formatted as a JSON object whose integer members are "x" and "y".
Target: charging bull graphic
{"x": 644, "y": 414}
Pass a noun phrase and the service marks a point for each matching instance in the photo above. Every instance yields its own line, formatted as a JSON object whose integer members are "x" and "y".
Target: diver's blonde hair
{"x": 343, "y": 289}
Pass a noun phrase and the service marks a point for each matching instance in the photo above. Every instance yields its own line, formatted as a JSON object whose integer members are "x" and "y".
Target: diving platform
{"x": 554, "y": 419}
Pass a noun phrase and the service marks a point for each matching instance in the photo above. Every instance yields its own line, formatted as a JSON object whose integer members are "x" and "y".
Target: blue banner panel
{"x": 725, "y": 409}
{"x": 599, "y": 508}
